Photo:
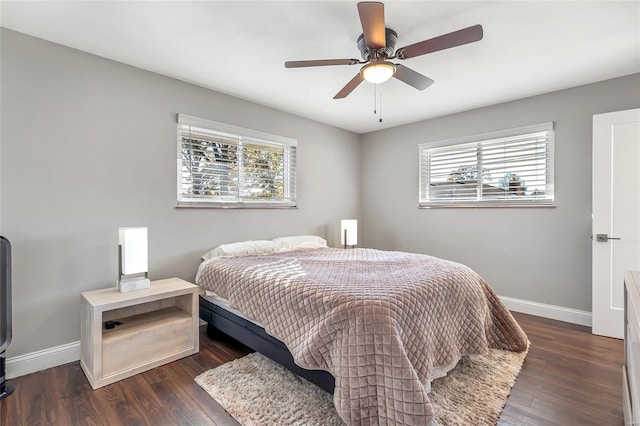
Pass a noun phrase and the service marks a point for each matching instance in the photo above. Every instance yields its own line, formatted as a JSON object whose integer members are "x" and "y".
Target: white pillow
{"x": 299, "y": 241}
{"x": 242, "y": 249}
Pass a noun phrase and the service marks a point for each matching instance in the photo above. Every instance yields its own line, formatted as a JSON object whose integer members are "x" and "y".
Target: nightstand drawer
{"x": 145, "y": 338}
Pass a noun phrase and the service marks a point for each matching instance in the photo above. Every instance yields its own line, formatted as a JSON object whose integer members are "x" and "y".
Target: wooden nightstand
{"x": 158, "y": 325}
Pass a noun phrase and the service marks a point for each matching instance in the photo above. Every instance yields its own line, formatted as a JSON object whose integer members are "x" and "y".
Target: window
{"x": 226, "y": 166}
{"x": 507, "y": 168}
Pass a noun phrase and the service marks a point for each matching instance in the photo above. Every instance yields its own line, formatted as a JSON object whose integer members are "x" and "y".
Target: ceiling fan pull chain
{"x": 375, "y": 86}
{"x": 380, "y": 108}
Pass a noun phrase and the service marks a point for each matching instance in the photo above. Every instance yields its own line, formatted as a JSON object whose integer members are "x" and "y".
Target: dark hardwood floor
{"x": 570, "y": 377}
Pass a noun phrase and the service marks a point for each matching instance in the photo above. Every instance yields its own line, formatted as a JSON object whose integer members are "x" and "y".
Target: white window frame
{"x": 424, "y": 184}
{"x": 241, "y": 135}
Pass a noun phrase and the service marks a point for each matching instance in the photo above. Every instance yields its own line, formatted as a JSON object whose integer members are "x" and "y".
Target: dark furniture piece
{"x": 5, "y": 312}
{"x": 254, "y": 336}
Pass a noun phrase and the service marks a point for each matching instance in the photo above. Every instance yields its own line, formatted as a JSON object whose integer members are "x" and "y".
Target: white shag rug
{"x": 258, "y": 392}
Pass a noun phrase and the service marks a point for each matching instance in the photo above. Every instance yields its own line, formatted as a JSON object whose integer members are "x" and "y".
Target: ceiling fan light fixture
{"x": 378, "y": 72}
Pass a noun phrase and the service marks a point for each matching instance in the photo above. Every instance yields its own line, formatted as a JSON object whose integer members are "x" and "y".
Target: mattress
{"x": 223, "y": 302}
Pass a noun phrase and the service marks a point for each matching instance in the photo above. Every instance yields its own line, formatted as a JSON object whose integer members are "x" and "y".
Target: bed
{"x": 376, "y": 327}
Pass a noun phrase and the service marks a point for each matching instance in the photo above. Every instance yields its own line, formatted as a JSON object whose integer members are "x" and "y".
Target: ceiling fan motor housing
{"x": 391, "y": 39}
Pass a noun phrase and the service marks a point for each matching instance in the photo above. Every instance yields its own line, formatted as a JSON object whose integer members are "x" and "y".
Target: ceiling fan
{"x": 377, "y": 44}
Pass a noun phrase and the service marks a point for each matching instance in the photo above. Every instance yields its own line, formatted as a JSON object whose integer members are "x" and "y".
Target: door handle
{"x": 603, "y": 238}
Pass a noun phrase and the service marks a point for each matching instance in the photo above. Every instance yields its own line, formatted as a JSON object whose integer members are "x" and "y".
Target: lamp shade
{"x": 133, "y": 250}
{"x": 349, "y": 232}
{"x": 378, "y": 72}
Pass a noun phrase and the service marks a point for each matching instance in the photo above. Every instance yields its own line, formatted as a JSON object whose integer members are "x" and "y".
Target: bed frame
{"x": 257, "y": 339}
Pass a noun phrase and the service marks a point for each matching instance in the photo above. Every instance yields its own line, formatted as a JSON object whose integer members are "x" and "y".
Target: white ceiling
{"x": 239, "y": 48}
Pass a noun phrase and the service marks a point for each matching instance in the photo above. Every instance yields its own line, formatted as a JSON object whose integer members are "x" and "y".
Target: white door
{"x": 616, "y": 215}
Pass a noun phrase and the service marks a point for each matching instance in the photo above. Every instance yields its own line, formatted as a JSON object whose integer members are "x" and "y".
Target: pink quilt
{"x": 384, "y": 324}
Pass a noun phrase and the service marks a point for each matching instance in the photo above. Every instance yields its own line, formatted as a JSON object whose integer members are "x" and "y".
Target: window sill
{"x": 484, "y": 204}
{"x": 235, "y": 205}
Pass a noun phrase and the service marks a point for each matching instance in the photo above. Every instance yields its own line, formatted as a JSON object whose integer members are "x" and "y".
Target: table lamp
{"x": 132, "y": 259}
{"x": 349, "y": 232}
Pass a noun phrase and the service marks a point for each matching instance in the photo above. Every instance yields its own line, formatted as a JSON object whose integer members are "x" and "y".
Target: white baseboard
{"x": 41, "y": 360}
{"x": 559, "y": 313}
{"x": 52, "y": 357}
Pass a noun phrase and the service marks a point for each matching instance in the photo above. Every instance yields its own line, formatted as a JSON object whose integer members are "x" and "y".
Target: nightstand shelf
{"x": 155, "y": 326}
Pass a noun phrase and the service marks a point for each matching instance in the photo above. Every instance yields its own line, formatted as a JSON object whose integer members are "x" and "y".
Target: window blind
{"x": 509, "y": 168}
{"x": 226, "y": 166}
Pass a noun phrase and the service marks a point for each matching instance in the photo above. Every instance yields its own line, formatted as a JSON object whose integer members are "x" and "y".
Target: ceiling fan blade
{"x": 456, "y": 38}
{"x": 320, "y": 63}
{"x": 355, "y": 81}
{"x": 372, "y": 20}
{"x": 412, "y": 78}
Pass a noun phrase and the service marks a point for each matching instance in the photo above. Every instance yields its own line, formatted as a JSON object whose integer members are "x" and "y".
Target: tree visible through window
{"x": 513, "y": 167}
{"x": 224, "y": 166}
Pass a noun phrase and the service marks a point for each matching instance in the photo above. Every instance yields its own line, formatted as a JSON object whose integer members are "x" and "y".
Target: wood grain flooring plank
{"x": 34, "y": 400}
{"x": 514, "y": 415}
{"x": 11, "y": 409}
{"x": 154, "y": 408}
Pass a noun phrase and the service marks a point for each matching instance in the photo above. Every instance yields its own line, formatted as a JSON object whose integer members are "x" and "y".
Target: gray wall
{"x": 535, "y": 254}
{"x": 89, "y": 145}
